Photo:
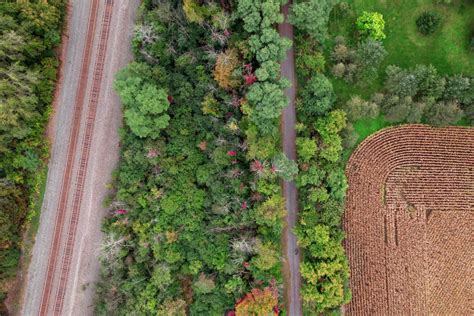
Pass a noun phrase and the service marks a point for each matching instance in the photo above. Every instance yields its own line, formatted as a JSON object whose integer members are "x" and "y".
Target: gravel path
{"x": 101, "y": 160}
{"x": 288, "y": 121}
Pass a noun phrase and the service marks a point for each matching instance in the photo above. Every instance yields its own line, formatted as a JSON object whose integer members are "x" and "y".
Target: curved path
{"x": 288, "y": 121}
{"x": 409, "y": 221}
{"x": 65, "y": 256}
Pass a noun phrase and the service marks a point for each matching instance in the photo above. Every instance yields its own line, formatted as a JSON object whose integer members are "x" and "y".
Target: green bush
{"x": 428, "y": 22}
{"x": 371, "y": 25}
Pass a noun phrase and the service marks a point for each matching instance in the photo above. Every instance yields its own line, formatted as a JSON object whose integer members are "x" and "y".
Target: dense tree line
{"x": 417, "y": 95}
{"x": 195, "y": 223}
{"x": 321, "y": 180}
{"x": 29, "y": 32}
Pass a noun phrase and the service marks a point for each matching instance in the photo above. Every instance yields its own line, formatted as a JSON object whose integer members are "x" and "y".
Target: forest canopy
{"x": 29, "y": 33}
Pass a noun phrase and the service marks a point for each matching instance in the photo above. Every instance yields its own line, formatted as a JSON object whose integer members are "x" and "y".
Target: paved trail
{"x": 288, "y": 121}
{"x": 85, "y": 150}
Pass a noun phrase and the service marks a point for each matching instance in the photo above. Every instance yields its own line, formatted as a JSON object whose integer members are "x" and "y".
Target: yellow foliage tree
{"x": 193, "y": 11}
{"x": 258, "y": 303}
{"x": 225, "y": 66}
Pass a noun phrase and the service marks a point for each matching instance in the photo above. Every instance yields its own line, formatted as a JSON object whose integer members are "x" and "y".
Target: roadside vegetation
{"x": 321, "y": 181}
{"x": 196, "y": 219}
{"x": 196, "y": 216}
{"x": 29, "y": 33}
{"x": 363, "y": 66}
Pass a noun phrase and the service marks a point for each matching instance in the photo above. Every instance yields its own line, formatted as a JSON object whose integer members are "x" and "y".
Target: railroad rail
{"x": 78, "y": 186}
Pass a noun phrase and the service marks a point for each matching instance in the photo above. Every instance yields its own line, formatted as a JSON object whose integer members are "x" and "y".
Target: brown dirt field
{"x": 409, "y": 222}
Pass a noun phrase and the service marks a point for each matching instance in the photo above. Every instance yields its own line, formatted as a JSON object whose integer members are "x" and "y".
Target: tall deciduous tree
{"x": 312, "y": 16}
{"x": 145, "y": 104}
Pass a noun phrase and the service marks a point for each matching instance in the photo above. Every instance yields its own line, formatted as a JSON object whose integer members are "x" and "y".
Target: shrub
{"x": 340, "y": 53}
{"x": 428, "y": 22}
{"x": 338, "y": 70}
{"x": 349, "y": 136}
{"x": 371, "y": 25}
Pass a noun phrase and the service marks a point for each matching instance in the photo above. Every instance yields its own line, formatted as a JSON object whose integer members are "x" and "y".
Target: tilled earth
{"x": 409, "y": 222}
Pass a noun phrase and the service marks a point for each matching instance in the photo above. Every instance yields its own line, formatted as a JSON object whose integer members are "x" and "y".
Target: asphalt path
{"x": 288, "y": 134}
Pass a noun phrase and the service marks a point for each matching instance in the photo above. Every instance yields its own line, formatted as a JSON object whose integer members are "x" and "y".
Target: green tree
{"x": 430, "y": 83}
{"x": 312, "y": 16}
{"x": 397, "y": 108}
{"x": 145, "y": 104}
{"x": 284, "y": 167}
{"x": 456, "y": 87}
{"x": 268, "y": 100}
{"x": 401, "y": 82}
{"x": 325, "y": 275}
{"x": 204, "y": 284}
{"x": 271, "y": 211}
{"x": 316, "y": 98}
{"x": 267, "y": 256}
{"x": 444, "y": 113}
{"x": 306, "y": 148}
{"x": 369, "y": 55}
{"x": 357, "y": 108}
{"x": 371, "y": 25}
{"x": 428, "y": 22}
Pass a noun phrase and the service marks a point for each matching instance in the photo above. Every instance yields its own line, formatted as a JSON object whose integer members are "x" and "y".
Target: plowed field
{"x": 409, "y": 222}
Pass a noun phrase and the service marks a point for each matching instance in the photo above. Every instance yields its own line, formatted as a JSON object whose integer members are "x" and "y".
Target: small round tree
{"x": 371, "y": 25}
{"x": 428, "y": 22}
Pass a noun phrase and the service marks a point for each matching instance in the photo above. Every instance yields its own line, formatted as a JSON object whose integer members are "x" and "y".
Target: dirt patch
{"x": 409, "y": 222}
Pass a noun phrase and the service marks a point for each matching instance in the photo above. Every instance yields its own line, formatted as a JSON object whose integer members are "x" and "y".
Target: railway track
{"x": 84, "y": 150}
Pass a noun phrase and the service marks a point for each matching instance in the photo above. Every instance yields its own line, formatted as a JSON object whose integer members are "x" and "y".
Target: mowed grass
{"x": 447, "y": 49}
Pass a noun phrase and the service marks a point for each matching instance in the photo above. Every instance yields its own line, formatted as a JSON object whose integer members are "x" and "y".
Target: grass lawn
{"x": 447, "y": 49}
{"x": 367, "y": 126}
{"x": 364, "y": 128}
